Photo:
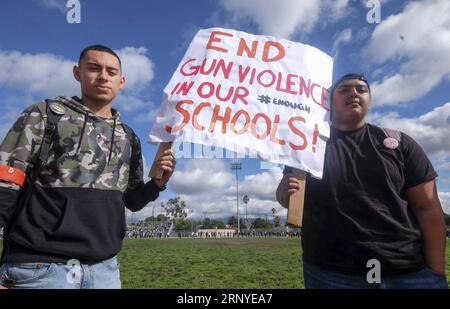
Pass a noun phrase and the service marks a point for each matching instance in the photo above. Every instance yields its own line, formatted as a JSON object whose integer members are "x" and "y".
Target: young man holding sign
{"x": 374, "y": 219}
{"x": 68, "y": 169}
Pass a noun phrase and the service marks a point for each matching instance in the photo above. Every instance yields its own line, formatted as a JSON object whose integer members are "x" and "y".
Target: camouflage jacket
{"x": 77, "y": 206}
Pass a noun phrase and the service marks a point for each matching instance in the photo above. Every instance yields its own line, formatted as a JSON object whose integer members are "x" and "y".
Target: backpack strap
{"x": 55, "y": 111}
{"x": 136, "y": 172}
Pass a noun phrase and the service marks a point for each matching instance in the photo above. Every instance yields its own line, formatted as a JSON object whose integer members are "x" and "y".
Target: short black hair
{"x": 359, "y": 76}
{"x": 99, "y": 47}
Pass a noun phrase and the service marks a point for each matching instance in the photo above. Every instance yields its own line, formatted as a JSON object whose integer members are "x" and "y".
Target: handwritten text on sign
{"x": 236, "y": 90}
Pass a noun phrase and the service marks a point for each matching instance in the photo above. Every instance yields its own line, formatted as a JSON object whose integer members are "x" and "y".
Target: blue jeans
{"x": 318, "y": 278}
{"x": 73, "y": 275}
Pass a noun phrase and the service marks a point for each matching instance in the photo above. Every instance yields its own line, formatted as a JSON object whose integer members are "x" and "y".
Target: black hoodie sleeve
{"x": 8, "y": 198}
{"x": 136, "y": 198}
{"x": 138, "y": 194}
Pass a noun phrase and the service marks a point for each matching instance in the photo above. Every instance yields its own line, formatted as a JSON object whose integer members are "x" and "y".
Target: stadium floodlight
{"x": 236, "y": 167}
{"x": 246, "y": 199}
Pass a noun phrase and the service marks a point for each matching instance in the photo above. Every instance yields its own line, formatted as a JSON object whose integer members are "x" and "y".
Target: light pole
{"x": 189, "y": 213}
{"x": 246, "y": 199}
{"x": 236, "y": 167}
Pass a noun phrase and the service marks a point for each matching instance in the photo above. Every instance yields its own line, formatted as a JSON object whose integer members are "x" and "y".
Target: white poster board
{"x": 236, "y": 90}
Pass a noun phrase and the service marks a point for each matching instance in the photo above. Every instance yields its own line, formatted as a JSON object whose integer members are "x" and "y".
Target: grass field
{"x": 270, "y": 263}
{"x": 211, "y": 263}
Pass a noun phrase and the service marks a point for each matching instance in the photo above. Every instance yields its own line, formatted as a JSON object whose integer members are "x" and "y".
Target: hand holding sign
{"x": 291, "y": 193}
{"x": 163, "y": 165}
{"x": 296, "y": 200}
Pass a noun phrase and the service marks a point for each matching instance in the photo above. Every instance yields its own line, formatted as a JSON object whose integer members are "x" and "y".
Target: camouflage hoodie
{"x": 77, "y": 206}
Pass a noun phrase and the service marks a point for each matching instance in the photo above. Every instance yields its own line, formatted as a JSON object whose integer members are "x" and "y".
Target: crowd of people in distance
{"x": 144, "y": 229}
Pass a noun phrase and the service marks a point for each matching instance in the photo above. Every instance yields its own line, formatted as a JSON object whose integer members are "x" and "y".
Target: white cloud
{"x": 45, "y": 74}
{"x": 206, "y": 176}
{"x": 12, "y": 106}
{"x": 341, "y": 38}
{"x": 209, "y": 189}
{"x": 138, "y": 69}
{"x": 364, "y": 2}
{"x": 419, "y": 38}
{"x": 224, "y": 207}
{"x": 430, "y": 130}
{"x": 284, "y": 18}
{"x": 200, "y": 176}
{"x": 147, "y": 116}
{"x": 60, "y": 5}
{"x": 50, "y": 75}
{"x": 146, "y": 169}
{"x": 445, "y": 201}
{"x": 335, "y": 10}
{"x": 362, "y": 34}
{"x": 125, "y": 102}
{"x": 443, "y": 182}
{"x": 443, "y": 166}
{"x": 263, "y": 185}
{"x": 152, "y": 208}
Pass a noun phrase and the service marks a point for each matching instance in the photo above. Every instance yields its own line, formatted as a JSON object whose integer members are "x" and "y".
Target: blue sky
{"x": 404, "y": 56}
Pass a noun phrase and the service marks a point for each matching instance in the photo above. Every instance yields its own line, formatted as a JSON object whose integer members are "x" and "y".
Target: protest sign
{"x": 241, "y": 91}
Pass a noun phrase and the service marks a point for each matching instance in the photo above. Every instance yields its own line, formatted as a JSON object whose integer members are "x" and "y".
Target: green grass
{"x": 270, "y": 263}
{"x": 211, "y": 263}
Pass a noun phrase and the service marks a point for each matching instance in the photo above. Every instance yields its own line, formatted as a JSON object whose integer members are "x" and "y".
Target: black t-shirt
{"x": 359, "y": 211}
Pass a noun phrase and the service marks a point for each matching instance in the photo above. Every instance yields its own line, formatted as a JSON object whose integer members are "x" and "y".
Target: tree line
{"x": 175, "y": 209}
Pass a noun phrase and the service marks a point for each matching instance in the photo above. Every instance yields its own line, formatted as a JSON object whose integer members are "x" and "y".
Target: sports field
{"x": 271, "y": 263}
{"x": 211, "y": 263}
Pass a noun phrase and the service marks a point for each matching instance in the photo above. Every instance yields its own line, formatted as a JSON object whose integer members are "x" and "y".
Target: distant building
{"x": 216, "y": 233}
